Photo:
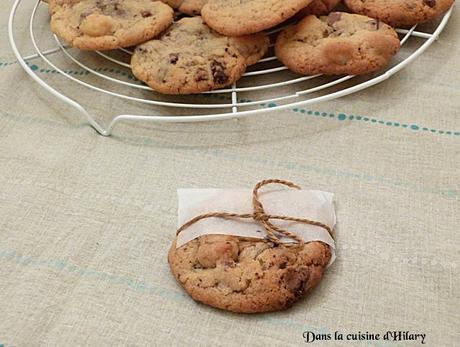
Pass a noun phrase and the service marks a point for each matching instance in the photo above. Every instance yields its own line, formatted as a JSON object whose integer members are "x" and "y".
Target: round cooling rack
{"x": 266, "y": 85}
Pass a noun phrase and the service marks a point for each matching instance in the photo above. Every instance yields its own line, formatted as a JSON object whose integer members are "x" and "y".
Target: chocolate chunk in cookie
{"x": 319, "y": 8}
{"x": 400, "y": 13}
{"x": 192, "y": 58}
{"x": 339, "y": 43}
{"x": 247, "y": 275}
{"x": 108, "y": 24}
{"x": 190, "y": 7}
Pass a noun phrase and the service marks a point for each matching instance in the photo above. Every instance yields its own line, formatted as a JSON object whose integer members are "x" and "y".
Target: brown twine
{"x": 261, "y": 217}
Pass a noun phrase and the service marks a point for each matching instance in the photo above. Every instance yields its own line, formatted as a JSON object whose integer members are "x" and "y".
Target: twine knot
{"x": 274, "y": 233}
{"x": 260, "y": 216}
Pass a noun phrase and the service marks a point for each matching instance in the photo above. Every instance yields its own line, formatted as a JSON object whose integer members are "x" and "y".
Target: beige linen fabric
{"x": 86, "y": 221}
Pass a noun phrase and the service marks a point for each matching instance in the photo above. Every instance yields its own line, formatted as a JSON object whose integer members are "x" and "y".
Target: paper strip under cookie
{"x": 310, "y": 204}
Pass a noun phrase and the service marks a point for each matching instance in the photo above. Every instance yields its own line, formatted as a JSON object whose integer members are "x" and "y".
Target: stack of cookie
{"x": 212, "y": 46}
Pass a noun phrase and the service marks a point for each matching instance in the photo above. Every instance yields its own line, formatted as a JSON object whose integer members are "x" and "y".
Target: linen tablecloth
{"x": 86, "y": 221}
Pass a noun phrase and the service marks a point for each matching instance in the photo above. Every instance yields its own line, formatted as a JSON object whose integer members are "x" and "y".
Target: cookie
{"x": 108, "y": 24}
{"x": 319, "y": 8}
{"x": 337, "y": 44}
{"x": 247, "y": 275}
{"x": 400, "y": 13}
{"x": 190, "y": 7}
{"x": 192, "y": 58}
{"x": 235, "y": 17}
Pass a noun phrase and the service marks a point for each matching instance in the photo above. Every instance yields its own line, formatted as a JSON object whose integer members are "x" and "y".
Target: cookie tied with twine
{"x": 259, "y": 215}
{"x": 249, "y": 274}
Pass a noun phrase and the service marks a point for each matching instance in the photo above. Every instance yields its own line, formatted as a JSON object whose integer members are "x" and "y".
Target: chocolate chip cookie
{"x": 241, "y": 17}
{"x": 400, "y": 13}
{"x": 108, "y": 24}
{"x": 190, "y": 7}
{"x": 247, "y": 275}
{"x": 192, "y": 58}
{"x": 319, "y": 7}
{"x": 339, "y": 43}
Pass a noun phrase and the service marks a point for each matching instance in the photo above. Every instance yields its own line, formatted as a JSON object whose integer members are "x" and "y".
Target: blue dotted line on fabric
{"x": 371, "y": 120}
{"x": 81, "y": 72}
{"x": 344, "y": 117}
{"x": 5, "y": 65}
{"x": 340, "y": 116}
{"x": 36, "y": 68}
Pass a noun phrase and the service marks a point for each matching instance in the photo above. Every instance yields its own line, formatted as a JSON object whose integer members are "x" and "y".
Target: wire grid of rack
{"x": 233, "y": 106}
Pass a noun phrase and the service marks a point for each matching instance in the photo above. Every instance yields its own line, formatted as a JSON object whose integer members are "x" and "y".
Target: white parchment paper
{"x": 310, "y": 204}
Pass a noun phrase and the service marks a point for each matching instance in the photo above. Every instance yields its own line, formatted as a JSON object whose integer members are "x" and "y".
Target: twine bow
{"x": 259, "y": 215}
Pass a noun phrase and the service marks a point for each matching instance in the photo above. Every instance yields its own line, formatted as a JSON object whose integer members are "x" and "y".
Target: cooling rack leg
{"x": 22, "y": 60}
{"x": 234, "y": 98}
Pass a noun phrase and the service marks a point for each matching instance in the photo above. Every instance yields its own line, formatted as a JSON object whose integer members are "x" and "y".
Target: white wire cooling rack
{"x": 267, "y": 83}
